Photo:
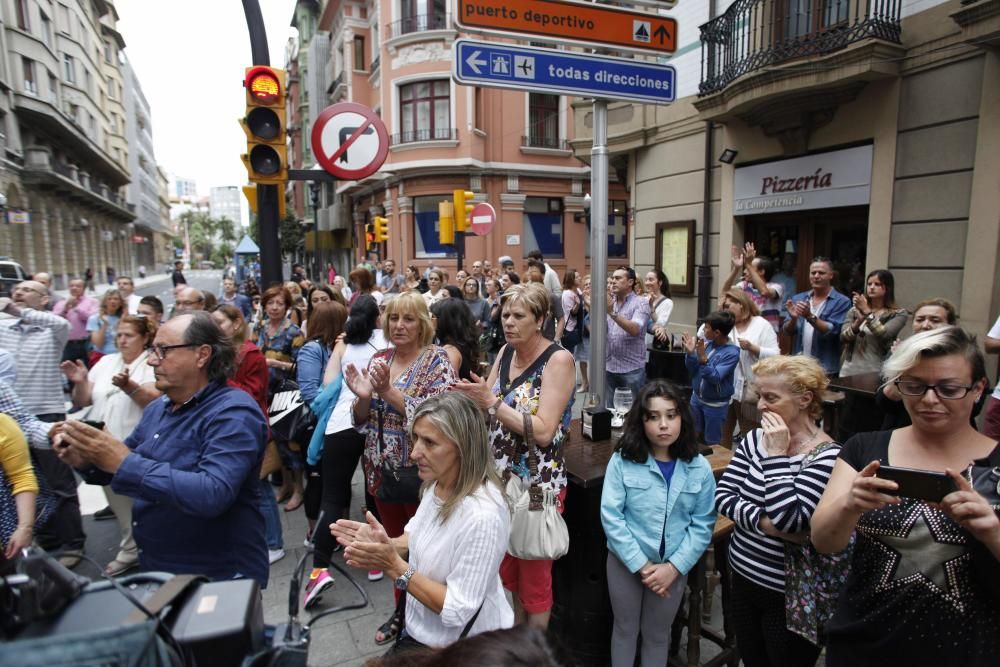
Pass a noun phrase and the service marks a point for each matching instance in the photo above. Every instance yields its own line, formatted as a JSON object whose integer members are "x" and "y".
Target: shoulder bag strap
{"x": 472, "y": 621}
{"x": 534, "y": 491}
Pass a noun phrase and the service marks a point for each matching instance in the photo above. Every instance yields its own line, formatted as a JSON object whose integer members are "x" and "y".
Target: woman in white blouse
{"x": 757, "y": 340}
{"x": 448, "y": 558}
{"x": 660, "y": 307}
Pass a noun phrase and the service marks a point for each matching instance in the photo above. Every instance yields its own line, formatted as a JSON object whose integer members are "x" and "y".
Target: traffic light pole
{"x": 267, "y": 195}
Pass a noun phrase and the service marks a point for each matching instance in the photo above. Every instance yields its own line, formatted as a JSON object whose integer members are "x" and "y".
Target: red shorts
{"x": 530, "y": 580}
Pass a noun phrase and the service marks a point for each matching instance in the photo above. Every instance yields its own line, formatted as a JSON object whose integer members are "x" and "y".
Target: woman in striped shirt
{"x": 770, "y": 496}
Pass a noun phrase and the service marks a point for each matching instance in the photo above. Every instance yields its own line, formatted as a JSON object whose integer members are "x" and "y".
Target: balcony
{"x": 337, "y": 87}
{"x": 415, "y": 136}
{"x": 420, "y": 23}
{"x": 41, "y": 170}
{"x": 754, "y": 34}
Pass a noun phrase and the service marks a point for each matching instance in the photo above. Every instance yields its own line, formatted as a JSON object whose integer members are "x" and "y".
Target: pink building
{"x": 510, "y": 148}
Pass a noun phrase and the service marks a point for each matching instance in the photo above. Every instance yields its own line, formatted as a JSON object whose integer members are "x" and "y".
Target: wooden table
{"x": 857, "y": 412}
{"x": 581, "y": 616}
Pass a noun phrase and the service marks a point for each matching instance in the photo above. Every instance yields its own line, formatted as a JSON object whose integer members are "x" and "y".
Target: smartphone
{"x": 926, "y": 485}
{"x": 96, "y": 424}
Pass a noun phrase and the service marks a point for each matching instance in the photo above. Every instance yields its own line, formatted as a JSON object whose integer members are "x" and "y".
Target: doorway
{"x": 839, "y": 233}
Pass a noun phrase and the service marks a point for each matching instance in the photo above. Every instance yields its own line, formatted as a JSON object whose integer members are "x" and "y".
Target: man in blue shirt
{"x": 232, "y": 297}
{"x": 816, "y": 317}
{"x": 191, "y": 464}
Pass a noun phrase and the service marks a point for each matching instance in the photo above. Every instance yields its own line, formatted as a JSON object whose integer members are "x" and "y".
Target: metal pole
{"x": 599, "y": 252}
{"x": 267, "y": 195}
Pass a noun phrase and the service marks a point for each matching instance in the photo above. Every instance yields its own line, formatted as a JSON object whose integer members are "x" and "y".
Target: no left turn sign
{"x": 349, "y": 140}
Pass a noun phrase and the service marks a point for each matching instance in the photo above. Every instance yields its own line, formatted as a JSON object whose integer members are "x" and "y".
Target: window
{"x": 47, "y": 30}
{"x": 62, "y": 14}
{"x": 53, "y": 88}
{"x": 425, "y": 222}
{"x": 424, "y": 110}
{"x": 111, "y": 88}
{"x": 805, "y": 17}
{"x": 70, "y": 66}
{"x": 543, "y": 120}
{"x": 421, "y": 15}
{"x": 22, "y": 15}
{"x": 92, "y": 125}
{"x": 359, "y": 53}
{"x": 29, "y": 76}
{"x": 87, "y": 80}
{"x": 109, "y": 53}
{"x": 543, "y": 226}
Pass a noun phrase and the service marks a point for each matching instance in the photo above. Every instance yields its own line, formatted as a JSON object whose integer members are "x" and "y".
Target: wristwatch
{"x": 492, "y": 410}
{"x": 403, "y": 581}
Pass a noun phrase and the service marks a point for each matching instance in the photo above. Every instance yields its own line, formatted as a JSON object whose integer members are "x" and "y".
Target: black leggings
{"x": 341, "y": 453}
{"x": 758, "y": 618}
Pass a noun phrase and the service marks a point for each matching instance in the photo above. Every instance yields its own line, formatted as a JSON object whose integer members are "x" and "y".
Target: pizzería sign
{"x": 823, "y": 180}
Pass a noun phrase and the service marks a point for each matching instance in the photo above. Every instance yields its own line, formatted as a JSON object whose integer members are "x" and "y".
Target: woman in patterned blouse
{"x": 395, "y": 383}
{"x": 533, "y": 375}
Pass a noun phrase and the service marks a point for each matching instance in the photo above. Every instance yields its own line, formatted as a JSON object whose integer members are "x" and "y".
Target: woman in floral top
{"x": 395, "y": 383}
{"x": 536, "y": 376}
{"x": 280, "y": 341}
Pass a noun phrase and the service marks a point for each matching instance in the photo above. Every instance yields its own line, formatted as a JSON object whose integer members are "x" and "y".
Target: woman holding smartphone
{"x": 924, "y": 584}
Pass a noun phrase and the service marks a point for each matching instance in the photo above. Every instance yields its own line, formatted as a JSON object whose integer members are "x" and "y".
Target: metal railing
{"x": 375, "y": 64}
{"x": 337, "y": 82}
{"x": 437, "y": 134}
{"x": 753, "y": 34}
{"x": 543, "y": 141}
{"x": 418, "y": 23}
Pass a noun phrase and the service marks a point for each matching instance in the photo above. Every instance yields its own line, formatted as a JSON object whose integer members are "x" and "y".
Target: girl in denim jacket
{"x": 658, "y": 512}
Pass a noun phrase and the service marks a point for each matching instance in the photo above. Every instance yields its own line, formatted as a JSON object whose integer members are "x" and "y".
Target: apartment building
{"x": 863, "y": 131}
{"x": 65, "y": 153}
{"x": 511, "y": 148}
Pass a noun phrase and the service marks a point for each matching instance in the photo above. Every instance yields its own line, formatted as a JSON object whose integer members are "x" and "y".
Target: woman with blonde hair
{"x": 396, "y": 381}
{"x": 756, "y": 339}
{"x": 531, "y": 375}
{"x": 103, "y": 325}
{"x": 923, "y": 585}
{"x": 448, "y": 560}
{"x": 770, "y": 490}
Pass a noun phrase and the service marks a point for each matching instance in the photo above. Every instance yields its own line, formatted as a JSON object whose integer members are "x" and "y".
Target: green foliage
{"x": 211, "y": 238}
{"x": 292, "y": 235}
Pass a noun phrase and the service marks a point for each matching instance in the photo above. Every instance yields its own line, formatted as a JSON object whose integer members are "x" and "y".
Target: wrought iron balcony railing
{"x": 418, "y": 23}
{"x": 543, "y": 141}
{"x": 753, "y": 34}
{"x": 437, "y": 134}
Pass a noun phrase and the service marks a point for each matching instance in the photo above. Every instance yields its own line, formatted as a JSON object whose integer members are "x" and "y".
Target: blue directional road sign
{"x": 561, "y": 72}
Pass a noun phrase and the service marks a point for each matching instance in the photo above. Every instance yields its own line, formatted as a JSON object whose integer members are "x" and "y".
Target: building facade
{"x": 864, "y": 132}
{"x": 65, "y": 162}
{"x": 224, "y": 202}
{"x": 143, "y": 192}
{"x": 510, "y": 148}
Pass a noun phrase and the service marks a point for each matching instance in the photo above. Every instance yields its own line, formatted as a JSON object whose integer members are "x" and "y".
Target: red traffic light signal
{"x": 262, "y": 85}
{"x": 266, "y": 158}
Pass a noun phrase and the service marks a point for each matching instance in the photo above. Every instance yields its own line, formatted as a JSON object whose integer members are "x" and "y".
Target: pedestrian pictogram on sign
{"x": 571, "y": 22}
{"x": 349, "y": 140}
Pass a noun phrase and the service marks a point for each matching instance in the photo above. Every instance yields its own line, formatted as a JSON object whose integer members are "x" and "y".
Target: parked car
{"x": 11, "y": 273}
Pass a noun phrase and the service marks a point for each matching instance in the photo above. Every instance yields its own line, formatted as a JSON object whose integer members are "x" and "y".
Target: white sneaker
{"x": 274, "y": 555}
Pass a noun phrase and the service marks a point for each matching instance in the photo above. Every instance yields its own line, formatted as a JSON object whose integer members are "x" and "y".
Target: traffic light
{"x": 446, "y": 223}
{"x": 381, "y": 229}
{"x": 250, "y": 192}
{"x": 266, "y": 158}
{"x": 370, "y": 244}
{"x": 462, "y": 210}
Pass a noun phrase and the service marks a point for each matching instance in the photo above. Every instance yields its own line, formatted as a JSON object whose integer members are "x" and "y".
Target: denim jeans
{"x": 633, "y": 380}
{"x": 272, "y": 520}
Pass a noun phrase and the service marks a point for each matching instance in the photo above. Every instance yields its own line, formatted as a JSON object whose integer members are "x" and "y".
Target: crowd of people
{"x": 456, "y": 393}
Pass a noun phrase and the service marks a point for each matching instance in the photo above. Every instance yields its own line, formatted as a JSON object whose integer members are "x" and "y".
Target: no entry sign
{"x": 349, "y": 140}
{"x": 483, "y": 218}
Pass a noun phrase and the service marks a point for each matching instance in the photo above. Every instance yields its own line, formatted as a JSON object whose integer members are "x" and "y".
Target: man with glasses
{"x": 36, "y": 339}
{"x": 627, "y": 317}
{"x": 816, "y": 317}
{"x": 189, "y": 300}
{"x": 191, "y": 464}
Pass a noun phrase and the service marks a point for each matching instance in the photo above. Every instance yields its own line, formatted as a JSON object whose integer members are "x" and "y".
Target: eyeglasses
{"x": 161, "y": 350}
{"x": 948, "y": 392}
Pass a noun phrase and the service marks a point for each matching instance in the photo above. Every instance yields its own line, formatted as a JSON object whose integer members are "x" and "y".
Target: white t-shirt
{"x": 995, "y": 333}
{"x": 109, "y": 403}
{"x": 133, "y": 304}
{"x": 360, "y": 356}
{"x": 760, "y": 333}
{"x": 464, "y": 553}
{"x": 808, "y": 330}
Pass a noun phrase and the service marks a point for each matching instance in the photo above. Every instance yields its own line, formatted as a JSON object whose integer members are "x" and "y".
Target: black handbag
{"x": 290, "y": 418}
{"x": 400, "y": 484}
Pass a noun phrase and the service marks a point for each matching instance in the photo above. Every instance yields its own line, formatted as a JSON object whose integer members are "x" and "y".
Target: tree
{"x": 291, "y": 234}
{"x": 211, "y": 238}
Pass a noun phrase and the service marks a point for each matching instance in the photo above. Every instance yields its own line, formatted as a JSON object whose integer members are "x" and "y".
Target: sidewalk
{"x": 101, "y": 288}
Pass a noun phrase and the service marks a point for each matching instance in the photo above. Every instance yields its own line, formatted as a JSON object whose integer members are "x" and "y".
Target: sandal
{"x": 116, "y": 568}
{"x": 389, "y": 630}
{"x": 294, "y": 502}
